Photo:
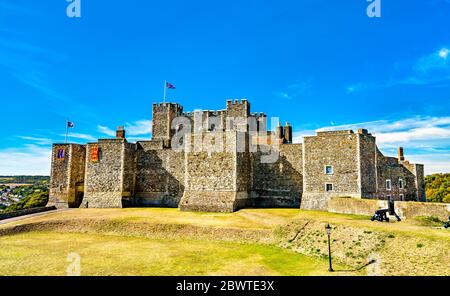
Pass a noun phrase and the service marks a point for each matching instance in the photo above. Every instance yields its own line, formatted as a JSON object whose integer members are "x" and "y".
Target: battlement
{"x": 331, "y": 133}
{"x": 258, "y": 114}
{"x": 167, "y": 104}
{"x": 231, "y": 102}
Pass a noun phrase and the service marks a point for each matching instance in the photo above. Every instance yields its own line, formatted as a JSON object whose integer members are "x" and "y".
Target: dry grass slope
{"x": 249, "y": 242}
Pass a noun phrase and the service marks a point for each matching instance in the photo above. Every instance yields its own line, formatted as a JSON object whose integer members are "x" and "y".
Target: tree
{"x": 438, "y": 188}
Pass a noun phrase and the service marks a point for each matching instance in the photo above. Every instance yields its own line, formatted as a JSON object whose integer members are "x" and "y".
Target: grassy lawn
{"x": 158, "y": 241}
{"x": 43, "y": 253}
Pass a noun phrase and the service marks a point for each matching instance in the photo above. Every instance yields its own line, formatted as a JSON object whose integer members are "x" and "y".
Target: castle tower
{"x": 163, "y": 114}
{"x": 237, "y": 113}
{"x": 262, "y": 123}
{"x": 280, "y": 133}
{"x": 67, "y": 175}
{"x": 288, "y": 133}
{"x": 120, "y": 132}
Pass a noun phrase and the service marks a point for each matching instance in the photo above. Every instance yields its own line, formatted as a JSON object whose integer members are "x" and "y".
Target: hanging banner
{"x": 61, "y": 154}
{"x": 94, "y": 153}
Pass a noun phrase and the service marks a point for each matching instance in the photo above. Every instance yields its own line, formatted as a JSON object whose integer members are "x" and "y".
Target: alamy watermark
{"x": 374, "y": 8}
{"x": 74, "y": 267}
{"x": 74, "y": 8}
{"x": 229, "y": 135}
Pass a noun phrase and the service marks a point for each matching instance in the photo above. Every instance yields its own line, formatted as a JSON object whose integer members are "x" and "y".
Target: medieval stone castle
{"x": 226, "y": 160}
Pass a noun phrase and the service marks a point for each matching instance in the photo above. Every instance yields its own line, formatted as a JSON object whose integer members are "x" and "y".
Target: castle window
{"x": 400, "y": 183}
{"x": 328, "y": 187}
{"x": 329, "y": 169}
{"x": 388, "y": 184}
{"x": 402, "y": 197}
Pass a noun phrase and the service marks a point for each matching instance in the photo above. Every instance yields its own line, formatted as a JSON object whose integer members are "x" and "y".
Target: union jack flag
{"x": 170, "y": 86}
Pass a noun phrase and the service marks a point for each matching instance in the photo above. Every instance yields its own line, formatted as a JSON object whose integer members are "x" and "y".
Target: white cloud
{"x": 430, "y": 69}
{"x": 418, "y": 134}
{"x": 133, "y": 129}
{"x": 355, "y": 87}
{"x": 295, "y": 90}
{"x": 434, "y": 163}
{"x": 443, "y": 53}
{"x": 283, "y": 95}
{"x": 138, "y": 128}
{"x": 106, "y": 130}
{"x": 80, "y": 136}
{"x": 436, "y": 61}
{"x": 37, "y": 140}
{"x": 28, "y": 160}
{"x": 407, "y": 124}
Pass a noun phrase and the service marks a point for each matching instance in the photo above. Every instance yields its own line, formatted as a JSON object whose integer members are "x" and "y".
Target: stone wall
{"x": 277, "y": 184}
{"x": 339, "y": 149}
{"x": 367, "y": 164}
{"x": 211, "y": 178}
{"x": 355, "y": 206}
{"x": 417, "y": 209}
{"x": 67, "y": 175}
{"x": 389, "y": 168}
{"x": 108, "y": 179}
{"x": 128, "y": 174}
{"x": 159, "y": 176}
{"x": 419, "y": 173}
{"x": 406, "y": 210}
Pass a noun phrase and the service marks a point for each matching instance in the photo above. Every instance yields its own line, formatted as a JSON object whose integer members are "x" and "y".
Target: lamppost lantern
{"x": 328, "y": 229}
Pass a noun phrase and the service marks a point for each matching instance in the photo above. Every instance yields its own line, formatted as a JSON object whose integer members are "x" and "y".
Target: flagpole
{"x": 165, "y": 89}
{"x": 67, "y": 130}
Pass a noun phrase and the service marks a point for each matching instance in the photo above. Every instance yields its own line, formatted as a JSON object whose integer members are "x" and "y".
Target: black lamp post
{"x": 328, "y": 229}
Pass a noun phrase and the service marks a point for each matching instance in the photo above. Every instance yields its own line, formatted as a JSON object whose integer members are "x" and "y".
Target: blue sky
{"x": 318, "y": 64}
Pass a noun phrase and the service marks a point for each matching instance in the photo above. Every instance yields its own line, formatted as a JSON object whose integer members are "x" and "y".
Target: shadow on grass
{"x": 357, "y": 269}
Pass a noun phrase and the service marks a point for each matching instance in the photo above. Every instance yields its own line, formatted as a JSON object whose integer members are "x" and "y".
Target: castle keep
{"x": 224, "y": 160}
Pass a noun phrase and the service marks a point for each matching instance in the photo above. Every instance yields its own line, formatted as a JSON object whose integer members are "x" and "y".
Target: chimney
{"x": 288, "y": 133}
{"x": 280, "y": 132}
{"x": 401, "y": 156}
{"x": 363, "y": 131}
{"x": 120, "y": 132}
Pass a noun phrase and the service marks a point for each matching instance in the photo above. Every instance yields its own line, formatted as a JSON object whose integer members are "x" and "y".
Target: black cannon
{"x": 447, "y": 224}
{"x": 381, "y": 215}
